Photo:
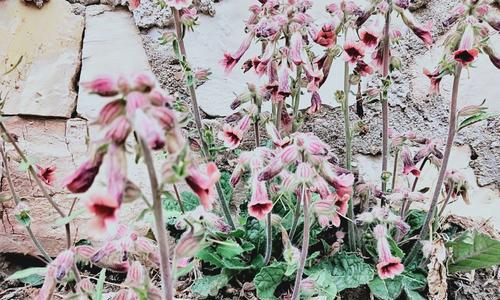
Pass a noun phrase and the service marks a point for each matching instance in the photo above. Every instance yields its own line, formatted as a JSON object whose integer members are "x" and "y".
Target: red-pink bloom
{"x": 315, "y": 103}
{"x": 103, "y": 86}
{"x": 421, "y": 31}
{"x": 404, "y": 4}
{"x": 203, "y": 183}
{"x": 136, "y": 100}
{"x": 159, "y": 98}
{"x": 134, "y": 3}
{"x": 456, "y": 13}
{"x": 110, "y": 112}
{"x": 325, "y": 36}
{"x": 178, "y": 4}
{"x": 388, "y": 266}
{"x": 342, "y": 180}
{"x": 314, "y": 78}
{"x": 259, "y": 205}
{"x": 284, "y": 81}
{"x": 232, "y": 136}
{"x": 165, "y": 116}
{"x": 328, "y": 210}
{"x": 363, "y": 68}
{"x": 353, "y": 52}
{"x": 81, "y": 180}
{"x": 46, "y": 174}
{"x": 435, "y": 78}
{"x": 408, "y": 164}
{"x": 105, "y": 210}
{"x": 149, "y": 129}
{"x": 231, "y": 59}
{"x": 119, "y": 130}
{"x": 369, "y": 36}
{"x": 466, "y": 52}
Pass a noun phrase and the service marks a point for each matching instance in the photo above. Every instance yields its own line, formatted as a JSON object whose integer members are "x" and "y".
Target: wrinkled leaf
{"x": 324, "y": 286}
{"x": 350, "y": 271}
{"x": 268, "y": 279}
{"x": 388, "y": 289}
{"x": 473, "y": 250}
{"x": 209, "y": 285}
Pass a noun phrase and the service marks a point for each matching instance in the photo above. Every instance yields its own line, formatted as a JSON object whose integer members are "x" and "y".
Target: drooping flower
{"x": 143, "y": 83}
{"x": 231, "y": 59}
{"x": 110, "y": 112}
{"x": 203, "y": 183}
{"x": 388, "y": 266}
{"x": 408, "y": 164}
{"x": 363, "y": 68}
{"x": 353, "y": 52}
{"x": 46, "y": 174}
{"x": 81, "y": 180}
{"x": 149, "y": 129}
{"x": 494, "y": 58}
{"x": 136, "y": 275}
{"x": 457, "y": 185}
{"x": 119, "y": 130}
{"x": 178, "y": 4}
{"x": 466, "y": 52}
{"x": 232, "y": 136}
{"x": 342, "y": 180}
{"x": 102, "y": 86}
{"x": 296, "y": 48}
{"x": 136, "y": 100}
{"x": 105, "y": 210}
{"x": 63, "y": 263}
{"x": 259, "y": 205}
{"x": 423, "y": 32}
{"x": 435, "y": 78}
{"x": 328, "y": 210}
{"x": 315, "y": 103}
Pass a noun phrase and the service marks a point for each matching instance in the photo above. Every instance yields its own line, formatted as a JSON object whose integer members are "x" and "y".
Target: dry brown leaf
{"x": 437, "y": 276}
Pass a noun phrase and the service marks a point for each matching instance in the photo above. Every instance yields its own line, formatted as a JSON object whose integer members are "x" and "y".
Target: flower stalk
{"x": 197, "y": 115}
{"x": 305, "y": 246}
{"x": 386, "y": 58}
{"x": 161, "y": 233}
{"x": 442, "y": 171}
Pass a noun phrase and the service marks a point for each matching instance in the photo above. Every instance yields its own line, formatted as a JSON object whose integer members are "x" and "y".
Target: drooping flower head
{"x": 408, "y": 164}
{"x": 353, "y": 52}
{"x": 388, "y": 266}
{"x": 202, "y": 183}
{"x": 46, "y": 174}
{"x": 466, "y": 52}
{"x": 259, "y": 205}
{"x": 105, "y": 211}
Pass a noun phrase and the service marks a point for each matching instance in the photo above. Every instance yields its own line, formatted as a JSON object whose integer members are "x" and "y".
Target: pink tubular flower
{"x": 408, "y": 164}
{"x": 178, "y": 4}
{"x": 133, "y": 4}
{"x": 423, "y": 32}
{"x": 363, "y": 68}
{"x": 296, "y": 48}
{"x": 466, "y": 52}
{"x": 231, "y": 59}
{"x": 328, "y": 210}
{"x": 102, "y": 86}
{"x": 105, "y": 210}
{"x": 203, "y": 184}
{"x": 63, "y": 263}
{"x": 284, "y": 81}
{"x": 494, "y": 58}
{"x": 325, "y": 36}
{"x": 81, "y": 180}
{"x": 259, "y": 205}
{"x": 135, "y": 275}
{"x": 119, "y": 130}
{"x": 47, "y": 174}
{"x": 435, "y": 78}
{"x": 136, "y": 100}
{"x": 353, "y": 52}
{"x": 315, "y": 103}
{"x": 110, "y": 112}
{"x": 232, "y": 136}
{"x": 369, "y": 36}
{"x": 149, "y": 129}
{"x": 388, "y": 266}
{"x": 339, "y": 178}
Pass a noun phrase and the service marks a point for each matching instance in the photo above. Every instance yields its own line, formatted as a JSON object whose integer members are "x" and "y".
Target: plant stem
{"x": 269, "y": 239}
{"x": 197, "y": 116}
{"x": 296, "y": 216}
{"x": 161, "y": 232}
{"x": 17, "y": 200}
{"x": 406, "y": 202}
{"x": 296, "y": 97}
{"x": 305, "y": 248}
{"x": 446, "y": 201}
{"x": 395, "y": 170}
{"x": 383, "y": 99}
{"x": 351, "y": 229}
{"x": 178, "y": 197}
{"x": 279, "y": 109}
{"x": 442, "y": 171}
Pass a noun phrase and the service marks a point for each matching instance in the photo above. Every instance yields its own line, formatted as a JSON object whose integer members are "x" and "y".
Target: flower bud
{"x": 143, "y": 83}
{"x": 110, "y": 112}
{"x": 102, "y": 86}
{"x": 63, "y": 263}
{"x": 136, "y": 275}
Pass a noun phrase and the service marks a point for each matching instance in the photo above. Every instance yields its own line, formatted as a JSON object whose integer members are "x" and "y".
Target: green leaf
{"x": 175, "y": 46}
{"x": 415, "y": 219}
{"x": 473, "y": 250}
{"x": 413, "y": 295}
{"x": 350, "y": 271}
{"x": 190, "y": 200}
{"x": 475, "y": 119}
{"x": 99, "y": 288}
{"x": 229, "y": 249}
{"x": 268, "y": 279}
{"x": 209, "y": 285}
{"x": 414, "y": 280}
{"x": 210, "y": 255}
{"x": 34, "y": 280}
{"x": 324, "y": 286}
{"x": 225, "y": 182}
{"x": 27, "y": 273}
{"x": 26, "y": 164}
{"x": 395, "y": 249}
{"x": 66, "y": 220}
{"x": 388, "y": 289}
{"x": 185, "y": 270}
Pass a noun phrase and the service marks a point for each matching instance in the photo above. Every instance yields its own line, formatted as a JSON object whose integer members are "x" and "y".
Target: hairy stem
{"x": 305, "y": 246}
{"x": 296, "y": 97}
{"x": 442, "y": 171}
{"x": 386, "y": 58}
{"x": 269, "y": 239}
{"x": 395, "y": 170}
{"x": 415, "y": 181}
{"x": 161, "y": 232}
{"x": 37, "y": 243}
{"x": 178, "y": 197}
{"x": 406, "y": 202}
{"x": 197, "y": 117}
{"x": 296, "y": 216}
{"x": 446, "y": 201}
{"x": 351, "y": 230}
